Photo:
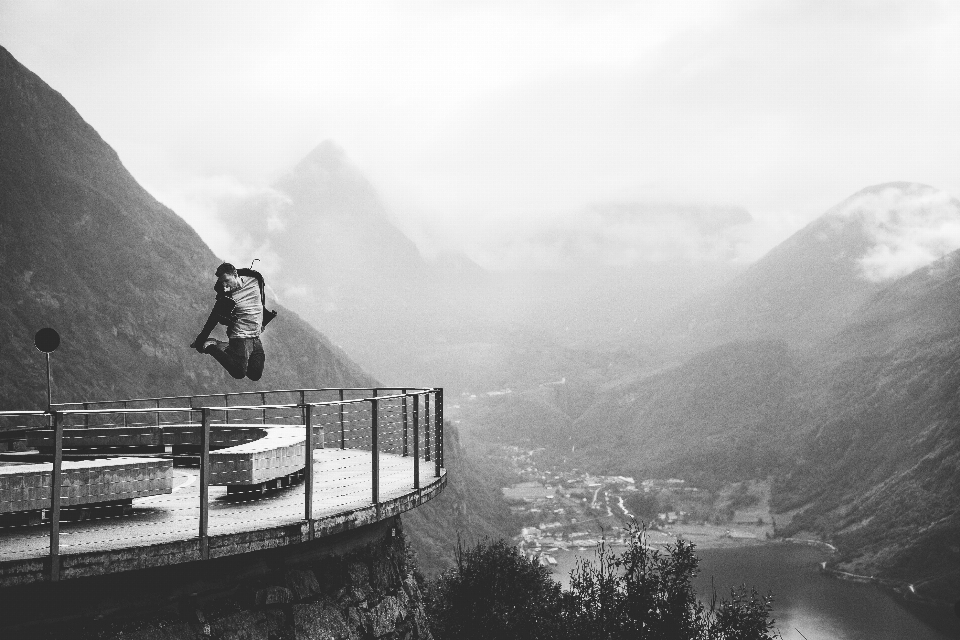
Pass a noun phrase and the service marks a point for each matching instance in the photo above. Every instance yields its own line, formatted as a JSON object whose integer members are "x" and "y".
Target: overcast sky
{"x": 481, "y": 120}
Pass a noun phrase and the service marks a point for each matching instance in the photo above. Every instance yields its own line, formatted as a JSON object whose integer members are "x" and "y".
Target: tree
{"x": 642, "y": 593}
{"x": 494, "y": 592}
{"x": 642, "y": 506}
{"x": 647, "y": 593}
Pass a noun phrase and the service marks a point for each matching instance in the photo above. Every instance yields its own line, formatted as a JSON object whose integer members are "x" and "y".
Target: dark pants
{"x": 241, "y": 357}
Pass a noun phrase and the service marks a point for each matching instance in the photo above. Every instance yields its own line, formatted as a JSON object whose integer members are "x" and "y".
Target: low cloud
{"x": 202, "y": 202}
{"x": 909, "y": 226}
{"x": 622, "y": 235}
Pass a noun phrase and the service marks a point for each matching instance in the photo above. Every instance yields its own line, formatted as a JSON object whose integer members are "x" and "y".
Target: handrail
{"x": 243, "y": 393}
{"x": 59, "y": 411}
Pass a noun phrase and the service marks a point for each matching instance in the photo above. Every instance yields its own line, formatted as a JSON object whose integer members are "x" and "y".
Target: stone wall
{"x": 357, "y": 585}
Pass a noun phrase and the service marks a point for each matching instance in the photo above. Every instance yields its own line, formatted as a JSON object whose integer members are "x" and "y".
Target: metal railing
{"x": 361, "y": 422}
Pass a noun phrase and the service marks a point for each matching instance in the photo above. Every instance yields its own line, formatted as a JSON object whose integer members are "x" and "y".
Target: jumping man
{"x": 239, "y": 305}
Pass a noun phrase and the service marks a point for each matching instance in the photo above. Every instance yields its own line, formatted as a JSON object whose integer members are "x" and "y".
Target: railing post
{"x": 438, "y": 437}
{"x": 56, "y": 480}
{"x": 343, "y": 440}
{"x": 158, "y": 413}
{"x": 405, "y": 451}
{"x": 263, "y": 416}
{"x": 204, "y": 481}
{"x": 308, "y": 472}
{"x": 86, "y": 416}
{"x": 426, "y": 426}
{"x": 124, "y": 413}
{"x": 375, "y": 457}
{"x": 226, "y": 414}
{"x": 416, "y": 441}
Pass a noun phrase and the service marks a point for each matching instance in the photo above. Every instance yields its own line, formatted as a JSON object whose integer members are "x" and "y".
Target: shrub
{"x": 643, "y": 593}
{"x": 494, "y": 592}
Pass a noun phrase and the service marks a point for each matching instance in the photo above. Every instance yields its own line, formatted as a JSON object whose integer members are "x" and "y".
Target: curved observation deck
{"x": 160, "y": 481}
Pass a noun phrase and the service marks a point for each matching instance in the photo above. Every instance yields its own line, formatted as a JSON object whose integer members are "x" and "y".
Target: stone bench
{"x": 278, "y": 455}
{"x": 243, "y": 456}
{"x": 26, "y": 487}
{"x": 144, "y": 437}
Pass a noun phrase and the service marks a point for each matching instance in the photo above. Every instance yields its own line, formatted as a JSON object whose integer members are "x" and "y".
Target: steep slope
{"x": 85, "y": 250}
{"x": 809, "y": 286}
{"x": 734, "y": 412}
{"x": 470, "y": 508}
{"x": 881, "y": 476}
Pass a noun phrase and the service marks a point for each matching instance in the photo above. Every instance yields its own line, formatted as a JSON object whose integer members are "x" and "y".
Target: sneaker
{"x": 209, "y": 342}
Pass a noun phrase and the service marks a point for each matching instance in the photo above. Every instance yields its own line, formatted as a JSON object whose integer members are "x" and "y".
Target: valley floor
{"x": 567, "y": 513}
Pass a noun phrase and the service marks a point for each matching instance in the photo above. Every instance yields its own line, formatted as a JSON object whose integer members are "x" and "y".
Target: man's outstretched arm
{"x": 220, "y": 310}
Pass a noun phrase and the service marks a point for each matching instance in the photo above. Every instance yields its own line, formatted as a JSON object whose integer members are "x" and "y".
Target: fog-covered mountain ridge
{"x": 806, "y": 288}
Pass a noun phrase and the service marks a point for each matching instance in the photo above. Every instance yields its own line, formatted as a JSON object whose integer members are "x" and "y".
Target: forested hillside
{"x": 880, "y": 474}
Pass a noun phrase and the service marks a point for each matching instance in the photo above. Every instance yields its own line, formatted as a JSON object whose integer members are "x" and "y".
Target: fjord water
{"x": 807, "y": 603}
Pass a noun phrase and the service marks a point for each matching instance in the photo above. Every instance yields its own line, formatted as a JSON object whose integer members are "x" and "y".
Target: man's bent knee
{"x": 235, "y": 366}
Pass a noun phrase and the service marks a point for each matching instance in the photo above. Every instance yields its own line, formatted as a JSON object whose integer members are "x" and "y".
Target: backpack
{"x": 224, "y": 305}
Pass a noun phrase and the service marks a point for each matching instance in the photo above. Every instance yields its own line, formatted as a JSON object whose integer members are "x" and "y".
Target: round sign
{"x": 47, "y": 340}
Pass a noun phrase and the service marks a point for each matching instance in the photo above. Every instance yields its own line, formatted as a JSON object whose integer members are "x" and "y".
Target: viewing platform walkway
{"x": 143, "y": 485}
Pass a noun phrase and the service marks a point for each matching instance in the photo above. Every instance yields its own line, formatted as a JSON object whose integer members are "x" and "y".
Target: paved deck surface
{"x": 342, "y": 483}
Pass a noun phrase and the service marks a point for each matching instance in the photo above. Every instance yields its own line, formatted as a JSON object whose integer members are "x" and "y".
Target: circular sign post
{"x": 47, "y": 340}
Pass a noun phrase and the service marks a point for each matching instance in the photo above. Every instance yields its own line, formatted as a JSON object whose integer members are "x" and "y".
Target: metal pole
{"x": 158, "y": 413}
{"x": 204, "y": 481}
{"x": 375, "y": 458}
{"x": 404, "y": 391}
{"x": 308, "y": 472}
{"x": 416, "y": 441}
{"x": 49, "y": 386}
{"x": 426, "y": 426}
{"x": 263, "y": 416}
{"x": 343, "y": 439}
{"x": 86, "y": 416}
{"x": 438, "y": 411}
{"x": 55, "y": 483}
{"x": 124, "y": 413}
{"x": 303, "y": 411}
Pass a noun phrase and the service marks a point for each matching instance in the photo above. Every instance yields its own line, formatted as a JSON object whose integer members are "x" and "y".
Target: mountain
{"x": 127, "y": 283}
{"x": 730, "y": 413}
{"x": 323, "y": 225}
{"x": 850, "y": 404}
{"x": 325, "y": 238}
{"x": 881, "y": 474}
{"x": 808, "y": 287}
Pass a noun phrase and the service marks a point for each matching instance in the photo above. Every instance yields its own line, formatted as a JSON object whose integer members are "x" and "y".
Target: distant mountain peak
{"x": 326, "y": 169}
{"x": 328, "y": 154}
